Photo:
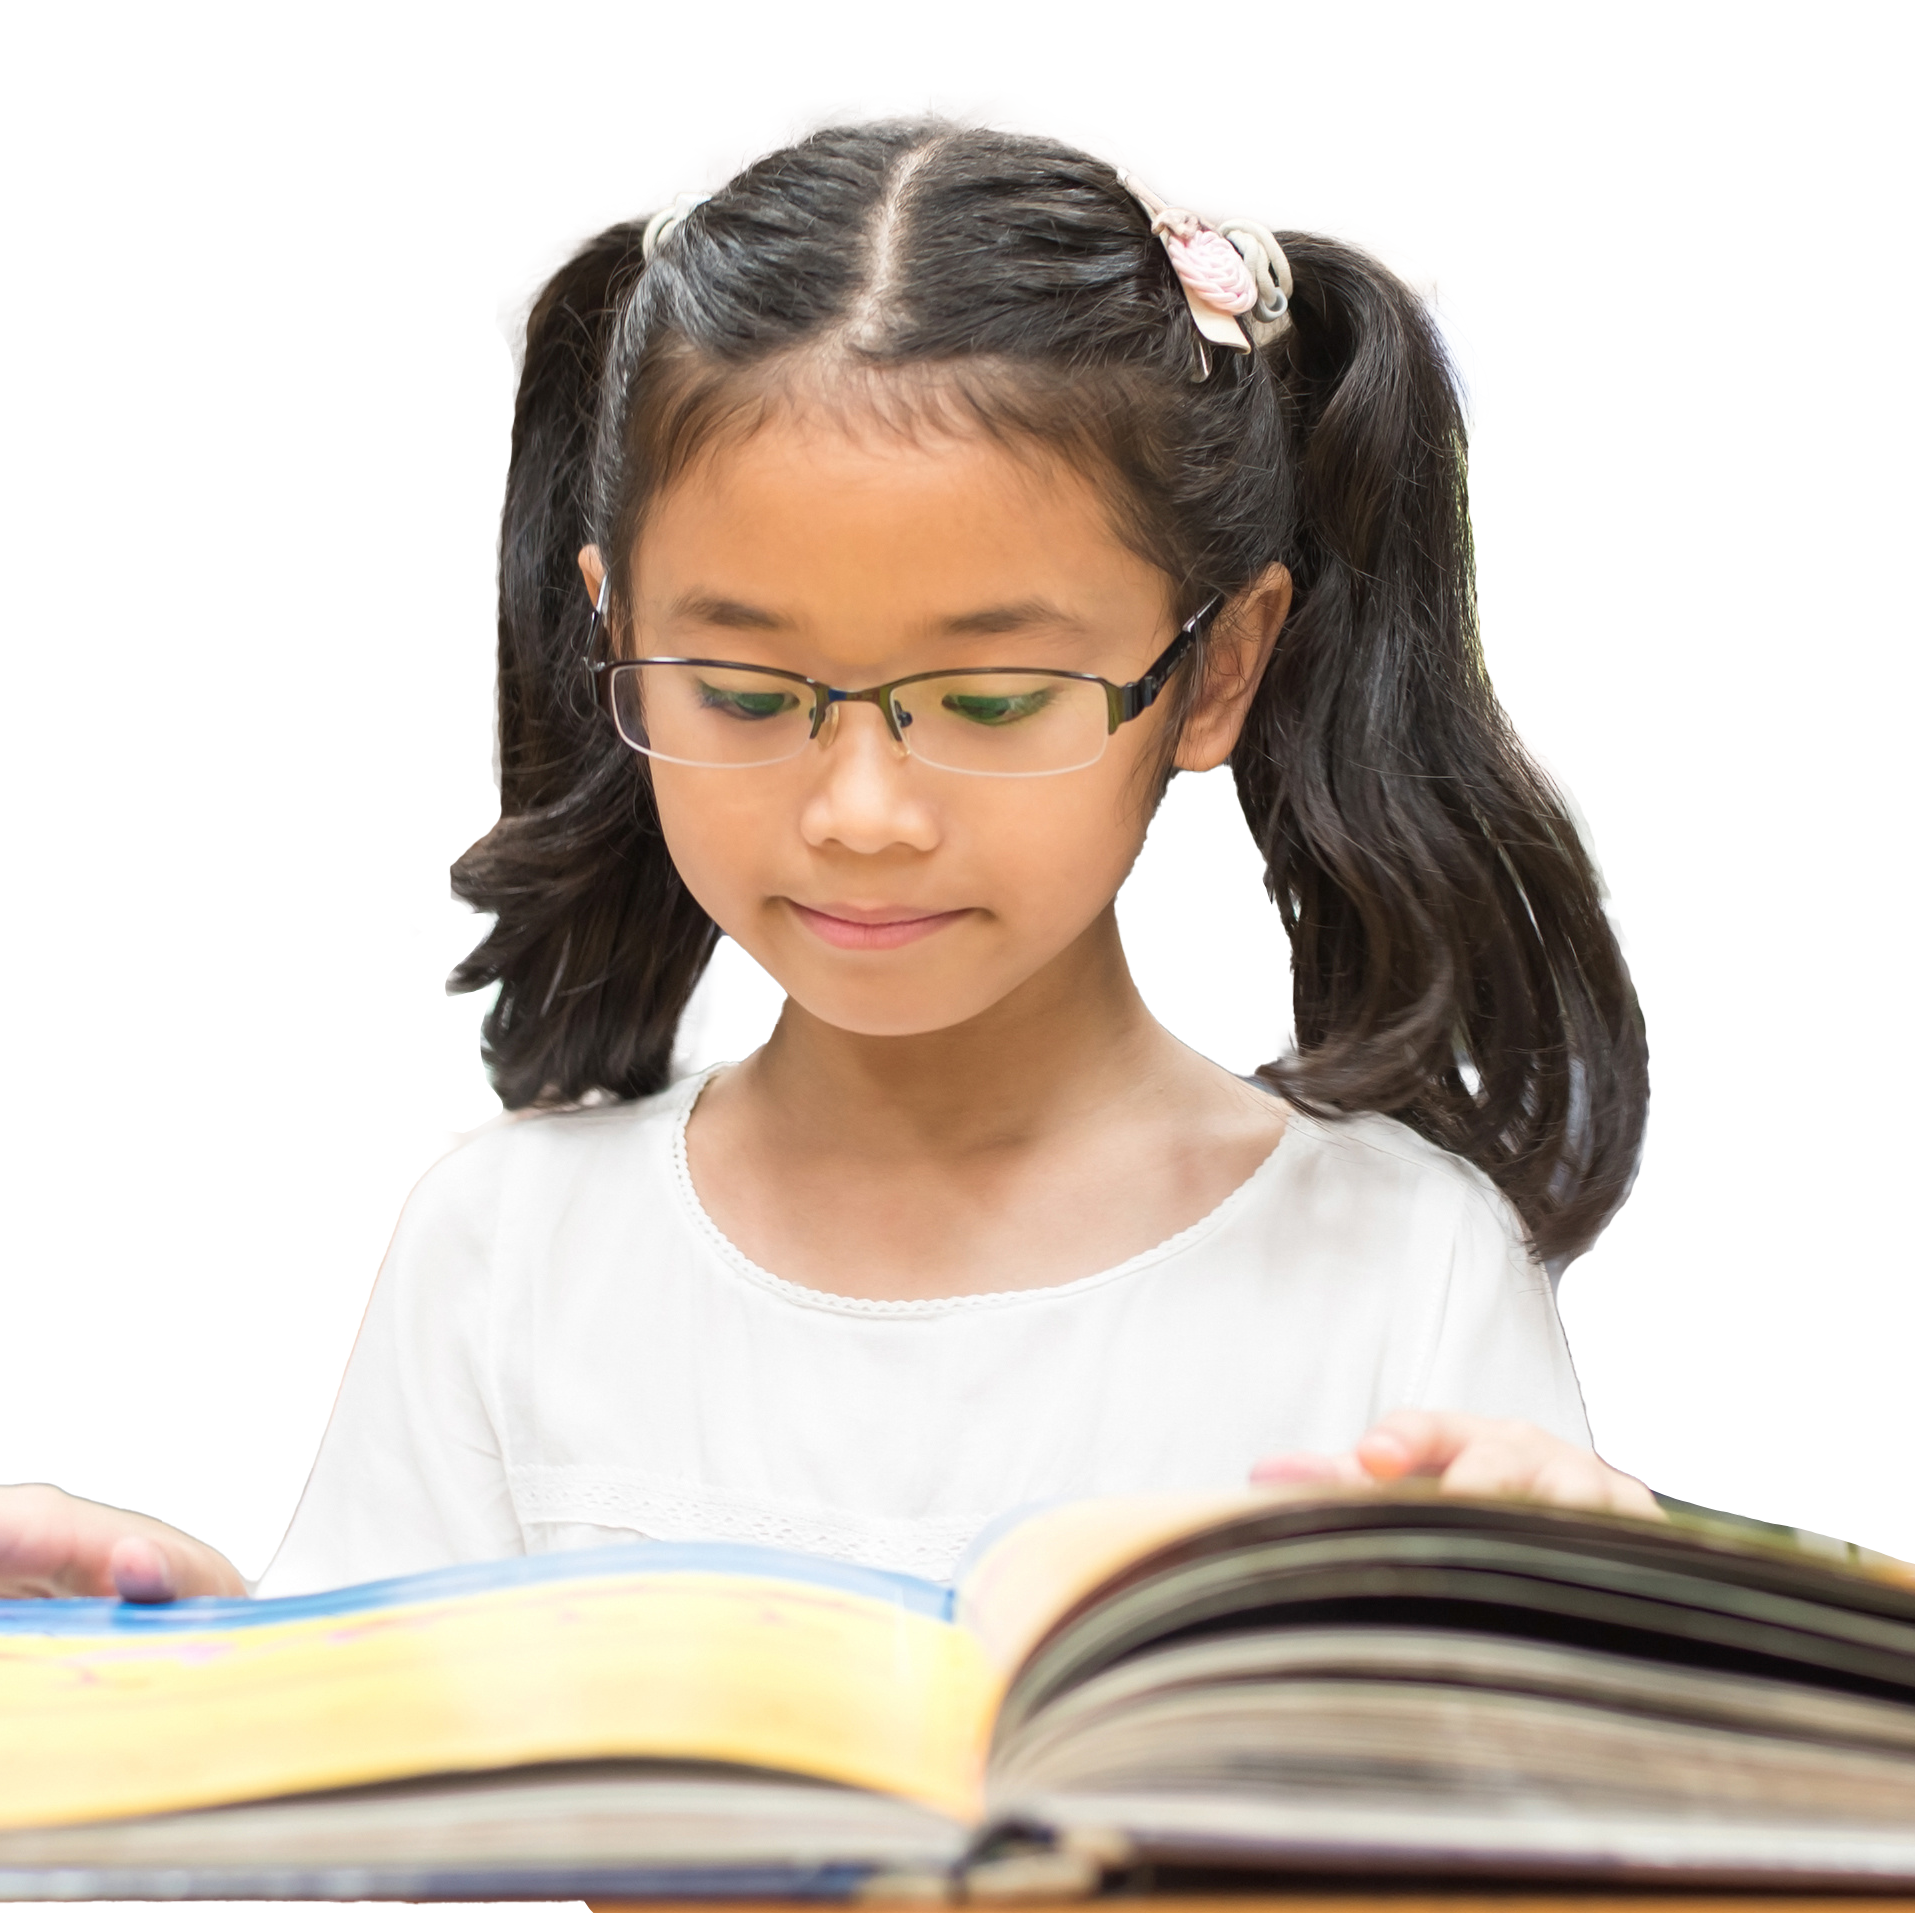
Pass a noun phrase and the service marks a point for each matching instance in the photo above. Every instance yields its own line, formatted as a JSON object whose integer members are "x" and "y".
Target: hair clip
{"x": 662, "y": 225}
{"x": 1270, "y": 316}
{"x": 1226, "y": 272}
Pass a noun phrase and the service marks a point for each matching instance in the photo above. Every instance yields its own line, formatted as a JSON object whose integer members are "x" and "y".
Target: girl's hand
{"x": 1473, "y": 1455}
{"x": 52, "y": 1543}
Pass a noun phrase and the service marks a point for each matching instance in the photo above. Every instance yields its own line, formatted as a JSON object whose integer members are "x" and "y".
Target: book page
{"x": 846, "y": 1676}
{"x": 1035, "y": 1573}
{"x": 1026, "y": 1580}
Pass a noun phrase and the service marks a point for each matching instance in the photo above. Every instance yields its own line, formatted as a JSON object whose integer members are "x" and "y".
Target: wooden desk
{"x": 194, "y": 1250}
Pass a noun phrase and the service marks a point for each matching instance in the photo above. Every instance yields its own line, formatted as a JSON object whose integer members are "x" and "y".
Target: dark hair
{"x": 1452, "y": 964}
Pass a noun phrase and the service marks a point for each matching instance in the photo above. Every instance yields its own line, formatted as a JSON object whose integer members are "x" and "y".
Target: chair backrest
{"x": 1703, "y": 1340}
{"x": 175, "y": 957}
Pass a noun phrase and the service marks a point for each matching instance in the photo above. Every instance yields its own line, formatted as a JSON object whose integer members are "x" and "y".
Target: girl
{"x": 882, "y": 535}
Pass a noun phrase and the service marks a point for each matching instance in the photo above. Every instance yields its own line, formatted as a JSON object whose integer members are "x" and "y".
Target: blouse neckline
{"x": 805, "y": 1297}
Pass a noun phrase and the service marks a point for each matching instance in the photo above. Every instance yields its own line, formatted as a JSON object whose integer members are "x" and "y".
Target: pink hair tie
{"x": 1209, "y": 266}
{"x": 1223, "y": 276}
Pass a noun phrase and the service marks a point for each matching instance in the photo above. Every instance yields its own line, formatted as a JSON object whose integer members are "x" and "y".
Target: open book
{"x": 1261, "y": 1680}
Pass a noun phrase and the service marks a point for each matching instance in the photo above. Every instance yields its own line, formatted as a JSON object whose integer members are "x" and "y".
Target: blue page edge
{"x": 91, "y": 1615}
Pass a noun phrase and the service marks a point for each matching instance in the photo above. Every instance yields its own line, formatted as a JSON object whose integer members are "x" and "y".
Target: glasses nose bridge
{"x": 831, "y": 696}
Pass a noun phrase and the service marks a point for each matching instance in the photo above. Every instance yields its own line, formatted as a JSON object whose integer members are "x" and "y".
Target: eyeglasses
{"x": 1013, "y": 722}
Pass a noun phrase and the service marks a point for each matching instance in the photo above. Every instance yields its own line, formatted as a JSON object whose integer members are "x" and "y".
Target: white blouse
{"x": 563, "y": 1349}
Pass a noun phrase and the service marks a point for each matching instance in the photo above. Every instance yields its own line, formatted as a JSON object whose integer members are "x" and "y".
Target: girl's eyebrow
{"x": 993, "y": 619}
{"x": 728, "y": 612}
{"x": 990, "y": 621}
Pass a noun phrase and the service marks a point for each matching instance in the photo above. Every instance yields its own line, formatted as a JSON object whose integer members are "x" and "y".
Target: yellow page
{"x": 1027, "y": 1580}
{"x": 812, "y": 1679}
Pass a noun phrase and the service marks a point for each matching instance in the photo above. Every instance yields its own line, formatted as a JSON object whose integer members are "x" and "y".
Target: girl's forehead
{"x": 812, "y": 501}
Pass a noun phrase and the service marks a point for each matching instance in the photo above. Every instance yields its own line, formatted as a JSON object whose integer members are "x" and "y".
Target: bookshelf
{"x": 251, "y": 357}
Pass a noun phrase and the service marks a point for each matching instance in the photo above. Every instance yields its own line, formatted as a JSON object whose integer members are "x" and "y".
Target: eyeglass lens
{"x": 992, "y": 724}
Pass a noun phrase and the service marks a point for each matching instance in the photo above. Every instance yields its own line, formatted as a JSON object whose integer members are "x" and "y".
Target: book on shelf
{"x": 1112, "y": 1689}
{"x": 121, "y": 673}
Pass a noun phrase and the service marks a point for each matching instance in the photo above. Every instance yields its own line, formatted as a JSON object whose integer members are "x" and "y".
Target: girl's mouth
{"x": 845, "y": 927}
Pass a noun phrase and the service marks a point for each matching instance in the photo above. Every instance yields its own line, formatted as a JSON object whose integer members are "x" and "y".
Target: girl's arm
{"x": 52, "y": 1543}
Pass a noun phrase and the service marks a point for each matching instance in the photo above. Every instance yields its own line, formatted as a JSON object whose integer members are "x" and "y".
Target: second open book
{"x": 1255, "y": 1680}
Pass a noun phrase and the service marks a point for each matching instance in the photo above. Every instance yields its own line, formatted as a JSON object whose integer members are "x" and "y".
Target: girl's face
{"x": 887, "y": 896}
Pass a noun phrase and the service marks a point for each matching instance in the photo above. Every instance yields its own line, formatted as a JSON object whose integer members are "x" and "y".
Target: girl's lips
{"x": 862, "y": 933}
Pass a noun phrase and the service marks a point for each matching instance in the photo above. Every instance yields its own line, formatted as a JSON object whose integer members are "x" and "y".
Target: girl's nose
{"x": 866, "y": 793}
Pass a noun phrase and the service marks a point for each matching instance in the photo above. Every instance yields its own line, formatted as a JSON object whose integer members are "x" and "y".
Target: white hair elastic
{"x": 662, "y": 225}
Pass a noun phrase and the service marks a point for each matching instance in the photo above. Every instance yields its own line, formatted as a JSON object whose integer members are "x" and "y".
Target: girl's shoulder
{"x": 523, "y": 1153}
{"x": 1375, "y": 1160}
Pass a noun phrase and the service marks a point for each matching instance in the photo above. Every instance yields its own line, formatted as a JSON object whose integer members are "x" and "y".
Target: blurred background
{"x": 264, "y": 272}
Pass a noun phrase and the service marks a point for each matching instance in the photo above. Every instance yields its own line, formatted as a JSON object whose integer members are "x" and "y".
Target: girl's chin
{"x": 864, "y": 1007}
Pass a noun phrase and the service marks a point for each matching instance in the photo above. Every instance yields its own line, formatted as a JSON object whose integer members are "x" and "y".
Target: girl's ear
{"x": 1242, "y": 637}
{"x": 592, "y": 570}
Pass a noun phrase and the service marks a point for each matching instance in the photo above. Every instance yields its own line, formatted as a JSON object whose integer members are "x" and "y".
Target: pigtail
{"x": 1452, "y": 962}
{"x": 596, "y": 944}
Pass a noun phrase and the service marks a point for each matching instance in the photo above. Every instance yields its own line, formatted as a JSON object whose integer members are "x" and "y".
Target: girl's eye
{"x": 746, "y": 704}
{"x": 978, "y": 708}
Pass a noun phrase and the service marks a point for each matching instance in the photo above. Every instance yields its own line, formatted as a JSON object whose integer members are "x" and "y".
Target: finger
{"x": 1524, "y": 1464}
{"x": 1500, "y": 1466}
{"x": 37, "y": 1551}
{"x": 1581, "y": 1480}
{"x": 1418, "y": 1442}
{"x": 1301, "y": 1466}
{"x": 141, "y": 1571}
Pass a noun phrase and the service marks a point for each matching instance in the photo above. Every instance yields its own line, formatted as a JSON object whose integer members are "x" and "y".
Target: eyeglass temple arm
{"x": 593, "y": 662}
{"x": 1140, "y": 694}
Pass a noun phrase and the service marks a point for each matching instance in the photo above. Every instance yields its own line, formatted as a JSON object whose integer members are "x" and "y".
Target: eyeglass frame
{"x": 1122, "y": 702}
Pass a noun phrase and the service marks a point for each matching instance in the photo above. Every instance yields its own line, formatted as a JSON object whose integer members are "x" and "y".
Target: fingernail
{"x": 1384, "y": 1456}
{"x": 141, "y": 1571}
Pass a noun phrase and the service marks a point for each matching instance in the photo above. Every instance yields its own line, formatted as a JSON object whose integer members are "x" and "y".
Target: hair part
{"x": 1452, "y": 965}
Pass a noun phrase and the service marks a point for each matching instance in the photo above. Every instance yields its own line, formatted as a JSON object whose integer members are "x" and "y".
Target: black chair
{"x": 1703, "y": 1342}
{"x": 177, "y": 957}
